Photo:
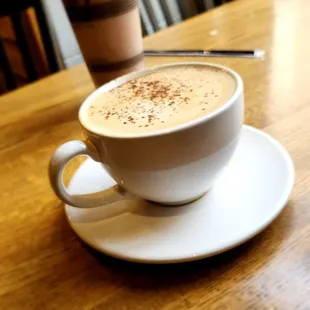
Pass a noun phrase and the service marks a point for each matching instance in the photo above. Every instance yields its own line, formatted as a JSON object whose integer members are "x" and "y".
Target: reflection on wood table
{"x": 43, "y": 265}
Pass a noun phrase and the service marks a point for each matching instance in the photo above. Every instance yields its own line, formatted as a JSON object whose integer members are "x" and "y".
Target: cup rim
{"x": 125, "y": 78}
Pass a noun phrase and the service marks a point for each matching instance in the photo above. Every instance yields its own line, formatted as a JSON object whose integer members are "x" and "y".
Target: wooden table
{"x": 43, "y": 265}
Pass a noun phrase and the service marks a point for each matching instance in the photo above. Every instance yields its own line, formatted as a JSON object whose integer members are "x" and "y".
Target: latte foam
{"x": 161, "y": 99}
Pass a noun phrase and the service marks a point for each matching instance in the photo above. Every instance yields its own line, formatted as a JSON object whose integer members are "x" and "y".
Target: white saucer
{"x": 246, "y": 198}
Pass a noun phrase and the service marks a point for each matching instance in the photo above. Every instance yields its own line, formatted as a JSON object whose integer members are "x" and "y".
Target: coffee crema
{"x": 160, "y": 99}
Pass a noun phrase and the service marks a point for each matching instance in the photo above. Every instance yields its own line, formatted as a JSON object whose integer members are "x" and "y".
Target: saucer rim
{"x": 281, "y": 204}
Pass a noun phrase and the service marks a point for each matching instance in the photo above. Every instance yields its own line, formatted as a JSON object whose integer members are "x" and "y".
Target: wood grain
{"x": 43, "y": 265}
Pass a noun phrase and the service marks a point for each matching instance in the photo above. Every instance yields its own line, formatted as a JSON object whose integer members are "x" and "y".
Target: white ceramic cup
{"x": 171, "y": 166}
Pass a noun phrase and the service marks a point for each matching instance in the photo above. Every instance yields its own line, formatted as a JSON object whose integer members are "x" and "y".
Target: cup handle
{"x": 58, "y": 162}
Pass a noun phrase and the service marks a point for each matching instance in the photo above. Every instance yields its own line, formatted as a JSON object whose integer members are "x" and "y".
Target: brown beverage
{"x": 160, "y": 100}
{"x": 109, "y": 34}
